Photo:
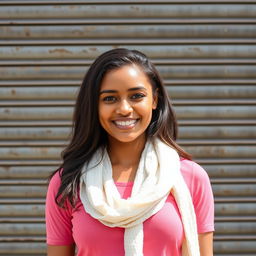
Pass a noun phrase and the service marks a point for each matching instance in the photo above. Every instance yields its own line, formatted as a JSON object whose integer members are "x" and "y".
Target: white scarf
{"x": 157, "y": 175}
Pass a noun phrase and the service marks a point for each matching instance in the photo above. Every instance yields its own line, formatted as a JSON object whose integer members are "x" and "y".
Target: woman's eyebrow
{"x": 108, "y": 91}
{"x": 137, "y": 88}
{"x": 130, "y": 89}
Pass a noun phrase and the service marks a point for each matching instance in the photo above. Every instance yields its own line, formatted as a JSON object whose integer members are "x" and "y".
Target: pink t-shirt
{"x": 163, "y": 232}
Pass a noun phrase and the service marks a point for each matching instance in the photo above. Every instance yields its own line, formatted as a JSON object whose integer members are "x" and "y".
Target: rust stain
{"x": 60, "y": 50}
{"x": 44, "y": 151}
{"x": 7, "y": 29}
{"x": 77, "y": 32}
{"x": 136, "y": 8}
{"x": 196, "y": 49}
{"x": 35, "y": 208}
{"x": 93, "y": 49}
{"x": 7, "y": 111}
{"x": 48, "y": 131}
{"x": 13, "y": 92}
{"x": 87, "y": 29}
{"x": 17, "y": 48}
{"x": 27, "y": 31}
{"x": 14, "y": 153}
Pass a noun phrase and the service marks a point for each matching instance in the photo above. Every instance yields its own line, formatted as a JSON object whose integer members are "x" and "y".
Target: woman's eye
{"x": 109, "y": 99}
{"x": 137, "y": 96}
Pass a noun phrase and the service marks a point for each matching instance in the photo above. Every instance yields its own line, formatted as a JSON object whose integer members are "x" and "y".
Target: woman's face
{"x": 126, "y": 102}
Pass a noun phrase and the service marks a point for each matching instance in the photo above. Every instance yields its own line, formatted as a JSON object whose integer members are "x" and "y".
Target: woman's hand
{"x": 206, "y": 244}
{"x": 63, "y": 250}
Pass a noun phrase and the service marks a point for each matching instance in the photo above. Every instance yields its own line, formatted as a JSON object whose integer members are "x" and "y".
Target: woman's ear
{"x": 155, "y": 99}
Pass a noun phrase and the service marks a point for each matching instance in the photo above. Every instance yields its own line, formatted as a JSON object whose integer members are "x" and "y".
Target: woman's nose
{"x": 124, "y": 108}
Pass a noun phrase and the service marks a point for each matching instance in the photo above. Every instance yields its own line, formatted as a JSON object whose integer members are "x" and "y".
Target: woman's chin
{"x": 127, "y": 138}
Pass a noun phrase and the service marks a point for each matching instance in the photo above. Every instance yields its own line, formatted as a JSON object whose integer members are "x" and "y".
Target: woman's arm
{"x": 58, "y": 223}
{"x": 63, "y": 250}
{"x": 206, "y": 244}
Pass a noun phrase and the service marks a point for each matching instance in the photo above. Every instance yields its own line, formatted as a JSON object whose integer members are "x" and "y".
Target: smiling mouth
{"x": 125, "y": 124}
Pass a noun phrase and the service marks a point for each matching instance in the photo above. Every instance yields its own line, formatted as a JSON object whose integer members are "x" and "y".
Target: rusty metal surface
{"x": 21, "y": 210}
{"x": 127, "y": 31}
{"x": 222, "y": 151}
{"x": 216, "y": 112}
{"x": 25, "y": 248}
{"x": 18, "y": 191}
{"x": 170, "y": 72}
{"x": 235, "y": 209}
{"x": 235, "y": 190}
{"x": 86, "y": 52}
{"x": 37, "y": 93}
{"x": 209, "y": 92}
{"x": 22, "y": 229}
{"x": 29, "y": 133}
{"x": 232, "y": 247}
{"x": 26, "y": 172}
{"x": 24, "y": 153}
{"x": 36, "y": 113}
{"x": 128, "y": 11}
{"x": 101, "y": 2}
{"x": 231, "y": 171}
{"x": 117, "y": 42}
{"x": 217, "y": 132}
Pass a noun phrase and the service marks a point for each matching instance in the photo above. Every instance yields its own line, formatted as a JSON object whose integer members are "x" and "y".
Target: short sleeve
{"x": 58, "y": 220}
{"x": 202, "y": 199}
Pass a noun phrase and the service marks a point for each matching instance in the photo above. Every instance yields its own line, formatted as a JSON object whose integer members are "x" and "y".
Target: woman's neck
{"x": 125, "y": 159}
{"x": 125, "y": 153}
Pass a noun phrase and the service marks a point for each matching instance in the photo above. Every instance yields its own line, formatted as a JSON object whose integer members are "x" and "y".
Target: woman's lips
{"x": 125, "y": 124}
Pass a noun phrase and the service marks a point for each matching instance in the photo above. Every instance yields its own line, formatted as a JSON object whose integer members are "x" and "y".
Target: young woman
{"x": 125, "y": 187}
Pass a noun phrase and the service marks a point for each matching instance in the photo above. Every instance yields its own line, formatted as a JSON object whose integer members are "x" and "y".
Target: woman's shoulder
{"x": 53, "y": 189}
{"x": 200, "y": 189}
{"x": 193, "y": 173}
{"x": 190, "y": 167}
{"x": 55, "y": 181}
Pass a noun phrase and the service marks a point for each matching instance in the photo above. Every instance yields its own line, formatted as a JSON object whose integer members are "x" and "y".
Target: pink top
{"x": 163, "y": 232}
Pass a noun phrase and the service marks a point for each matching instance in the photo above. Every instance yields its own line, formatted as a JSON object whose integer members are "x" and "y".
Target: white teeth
{"x": 125, "y": 123}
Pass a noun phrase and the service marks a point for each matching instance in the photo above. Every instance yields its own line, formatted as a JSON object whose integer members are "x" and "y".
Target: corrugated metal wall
{"x": 206, "y": 53}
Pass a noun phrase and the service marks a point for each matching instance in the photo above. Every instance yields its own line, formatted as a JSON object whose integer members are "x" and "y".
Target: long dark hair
{"x": 87, "y": 133}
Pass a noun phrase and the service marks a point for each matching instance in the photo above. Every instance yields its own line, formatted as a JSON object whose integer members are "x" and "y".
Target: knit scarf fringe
{"x": 157, "y": 175}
